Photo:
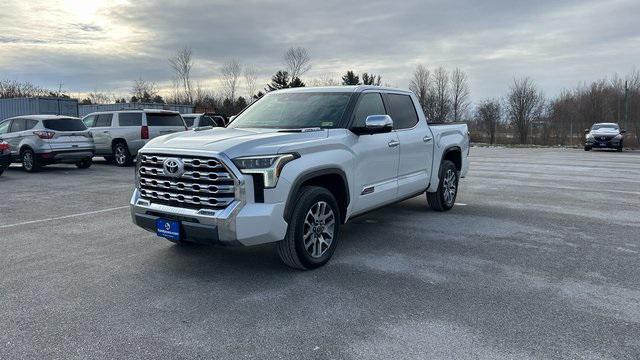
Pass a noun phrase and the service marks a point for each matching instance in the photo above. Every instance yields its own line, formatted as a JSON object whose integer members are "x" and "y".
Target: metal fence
{"x": 38, "y": 106}
{"x": 87, "y": 109}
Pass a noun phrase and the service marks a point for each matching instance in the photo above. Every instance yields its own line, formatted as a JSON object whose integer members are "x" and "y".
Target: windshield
{"x": 606, "y": 127}
{"x": 64, "y": 124}
{"x": 294, "y": 111}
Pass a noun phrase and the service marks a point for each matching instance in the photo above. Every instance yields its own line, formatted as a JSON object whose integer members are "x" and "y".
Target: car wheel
{"x": 121, "y": 155}
{"x": 84, "y": 163}
{"x": 445, "y": 197}
{"x": 314, "y": 230}
{"x": 109, "y": 159}
{"x": 587, "y": 148}
{"x": 29, "y": 161}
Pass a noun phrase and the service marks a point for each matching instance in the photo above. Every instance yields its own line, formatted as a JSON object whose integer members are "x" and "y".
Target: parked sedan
{"x": 604, "y": 135}
{"x": 5, "y": 156}
{"x": 38, "y": 140}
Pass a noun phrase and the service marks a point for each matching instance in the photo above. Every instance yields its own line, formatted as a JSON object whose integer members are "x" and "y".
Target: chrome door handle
{"x": 427, "y": 138}
{"x": 393, "y": 143}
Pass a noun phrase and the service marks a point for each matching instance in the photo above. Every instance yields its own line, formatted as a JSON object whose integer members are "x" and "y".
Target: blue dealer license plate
{"x": 168, "y": 229}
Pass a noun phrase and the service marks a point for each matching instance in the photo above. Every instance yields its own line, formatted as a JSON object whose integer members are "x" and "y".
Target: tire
{"x": 84, "y": 163}
{"x": 620, "y": 148}
{"x": 121, "y": 155}
{"x": 587, "y": 148}
{"x": 445, "y": 197}
{"x": 29, "y": 161}
{"x": 317, "y": 214}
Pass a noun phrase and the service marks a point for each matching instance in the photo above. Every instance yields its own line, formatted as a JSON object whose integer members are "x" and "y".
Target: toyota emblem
{"x": 173, "y": 167}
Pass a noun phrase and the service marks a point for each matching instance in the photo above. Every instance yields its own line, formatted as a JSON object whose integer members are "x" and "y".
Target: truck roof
{"x": 342, "y": 89}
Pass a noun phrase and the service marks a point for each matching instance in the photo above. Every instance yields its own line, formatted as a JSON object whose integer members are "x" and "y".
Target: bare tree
{"x": 250, "y": 79}
{"x": 326, "y": 79}
{"x": 97, "y": 97}
{"x": 459, "y": 93}
{"x": 181, "y": 63}
{"x": 524, "y": 104}
{"x": 11, "y": 89}
{"x": 144, "y": 90}
{"x": 420, "y": 85}
{"x": 297, "y": 61}
{"x": 442, "y": 95}
{"x": 488, "y": 115}
{"x": 231, "y": 72}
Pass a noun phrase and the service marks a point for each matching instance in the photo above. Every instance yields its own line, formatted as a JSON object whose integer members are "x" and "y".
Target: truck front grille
{"x": 205, "y": 183}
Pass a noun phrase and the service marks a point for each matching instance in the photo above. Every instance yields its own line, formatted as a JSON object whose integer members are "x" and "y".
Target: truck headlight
{"x": 269, "y": 166}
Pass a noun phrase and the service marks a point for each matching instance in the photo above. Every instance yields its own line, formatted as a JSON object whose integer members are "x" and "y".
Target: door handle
{"x": 427, "y": 138}
{"x": 393, "y": 143}
{"x": 105, "y": 132}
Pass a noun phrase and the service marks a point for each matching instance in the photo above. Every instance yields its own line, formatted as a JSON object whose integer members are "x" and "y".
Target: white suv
{"x": 118, "y": 135}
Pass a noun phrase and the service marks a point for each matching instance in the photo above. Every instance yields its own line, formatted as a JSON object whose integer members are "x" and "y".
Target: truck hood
{"x": 235, "y": 142}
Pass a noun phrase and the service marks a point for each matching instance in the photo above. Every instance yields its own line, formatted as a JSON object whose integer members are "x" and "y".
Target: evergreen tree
{"x": 279, "y": 81}
{"x": 350, "y": 78}
{"x": 296, "y": 82}
{"x": 371, "y": 79}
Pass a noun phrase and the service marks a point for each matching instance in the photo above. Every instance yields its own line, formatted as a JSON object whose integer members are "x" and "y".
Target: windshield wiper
{"x": 301, "y": 130}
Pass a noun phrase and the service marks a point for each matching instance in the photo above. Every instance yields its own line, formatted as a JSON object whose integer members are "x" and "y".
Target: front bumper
{"x": 240, "y": 224}
{"x": 604, "y": 144}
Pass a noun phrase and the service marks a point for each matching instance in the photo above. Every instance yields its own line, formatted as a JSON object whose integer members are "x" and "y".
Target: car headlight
{"x": 618, "y": 137}
{"x": 269, "y": 166}
{"x": 589, "y": 136}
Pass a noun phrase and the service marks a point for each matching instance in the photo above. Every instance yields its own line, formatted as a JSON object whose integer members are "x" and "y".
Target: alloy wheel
{"x": 318, "y": 229}
{"x": 449, "y": 186}
{"x": 120, "y": 155}
{"x": 27, "y": 160}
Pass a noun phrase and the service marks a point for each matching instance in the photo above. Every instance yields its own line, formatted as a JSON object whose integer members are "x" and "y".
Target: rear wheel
{"x": 314, "y": 229}
{"x": 121, "y": 155}
{"x": 29, "y": 161}
{"x": 84, "y": 163}
{"x": 445, "y": 197}
{"x": 587, "y": 148}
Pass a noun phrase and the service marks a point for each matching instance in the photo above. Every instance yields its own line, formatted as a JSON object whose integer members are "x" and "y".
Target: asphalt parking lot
{"x": 540, "y": 259}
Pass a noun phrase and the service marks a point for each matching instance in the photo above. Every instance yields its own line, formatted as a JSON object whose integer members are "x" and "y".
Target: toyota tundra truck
{"x": 295, "y": 166}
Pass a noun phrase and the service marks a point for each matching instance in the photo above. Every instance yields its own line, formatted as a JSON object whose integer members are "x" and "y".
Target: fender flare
{"x": 308, "y": 175}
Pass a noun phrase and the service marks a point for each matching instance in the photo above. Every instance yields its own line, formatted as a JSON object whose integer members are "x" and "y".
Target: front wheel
{"x": 445, "y": 197}
{"x": 84, "y": 163}
{"x": 314, "y": 229}
{"x": 587, "y": 148}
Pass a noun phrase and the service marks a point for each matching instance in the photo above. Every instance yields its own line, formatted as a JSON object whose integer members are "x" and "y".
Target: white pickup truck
{"x": 294, "y": 166}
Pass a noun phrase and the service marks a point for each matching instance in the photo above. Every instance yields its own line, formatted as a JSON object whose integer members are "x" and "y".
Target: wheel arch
{"x": 453, "y": 154}
{"x": 117, "y": 141}
{"x": 333, "y": 179}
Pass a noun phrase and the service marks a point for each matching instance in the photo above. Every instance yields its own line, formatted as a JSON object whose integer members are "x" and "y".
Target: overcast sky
{"x": 104, "y": 45}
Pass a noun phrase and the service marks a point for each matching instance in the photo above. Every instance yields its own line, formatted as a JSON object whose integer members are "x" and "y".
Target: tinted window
{"x": 31, "y": 124}
{"x": 64, "y": 124}
{"x": 4, "y": 127}
{"x": 130, "y": 119}
{"x": 18, "y": 125}
{"x": 189, "y": 120}
{"x": 104, "y": 120}
{"x": 157, "y": 119}
{"x": 294, "y": 111}
{"x": 206, "y": 121}
{"x": 369, "y": 104}
{"x": 403, "y": 112}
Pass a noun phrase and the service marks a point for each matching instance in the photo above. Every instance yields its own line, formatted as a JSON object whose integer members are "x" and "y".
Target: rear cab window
{"x": 403, "y": 111}
{"x": 65, "y": 124}
{"x": 130, "y": 119}
{"x": 164, "y": 119}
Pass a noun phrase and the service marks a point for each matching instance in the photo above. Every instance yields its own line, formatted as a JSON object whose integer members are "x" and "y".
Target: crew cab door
{"x": 416, "y": 144}
{"x": 376, "y": 166}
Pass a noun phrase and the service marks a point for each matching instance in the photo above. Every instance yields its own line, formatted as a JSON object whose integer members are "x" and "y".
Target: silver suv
{"x": 119, "y": 135}
{"x": 38, "y": 140}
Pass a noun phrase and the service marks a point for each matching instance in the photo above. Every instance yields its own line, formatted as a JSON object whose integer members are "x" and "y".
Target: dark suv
{"x": 604, "y": 136}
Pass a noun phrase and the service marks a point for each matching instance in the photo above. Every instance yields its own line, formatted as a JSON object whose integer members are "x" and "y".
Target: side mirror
{"x": 586, "y": 131}
{"x": 623, "y": 131}
{"x": 375, "y": 124}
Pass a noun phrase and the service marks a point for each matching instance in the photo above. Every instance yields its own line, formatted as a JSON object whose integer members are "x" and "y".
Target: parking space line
{"x": 64, "y": 217}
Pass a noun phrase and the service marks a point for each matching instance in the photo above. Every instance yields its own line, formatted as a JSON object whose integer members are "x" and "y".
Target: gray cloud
{"x": 558, "y": 44}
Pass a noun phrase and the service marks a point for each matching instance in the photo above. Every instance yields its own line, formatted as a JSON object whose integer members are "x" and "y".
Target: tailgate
{"x": 71, "y": 140}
